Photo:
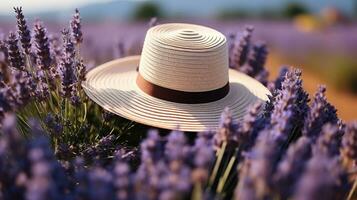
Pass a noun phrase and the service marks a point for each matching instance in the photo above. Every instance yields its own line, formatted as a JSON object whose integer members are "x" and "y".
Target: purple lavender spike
{"x": 23, "y": 31}
{"x": 203, "y": 157}
{"x": 76, "y": 28}
{"x": 67, "y": 67}
{"x": 276, "y": 85}
{"x": 292, "y": 166}
{"x": 15, "y": 55}
{"x": 22, "y": 87}
{"x": 176, "y": 147}
{"x": 256, "y": 60}
{"x": 290, "y": 106}
{"x": 321, "y": 112}
{"x": 241, "y": 49}
{"x": 76, "y": 31}
{"x": 329, "y": 141}
{"x": 227, "y": 131}
{"x": 349, "y": 143}
{"x": 44, "y": 59}
{"x": 250, "y": 125}
{"x": 152, "y": 147}
{"x": 122, "y": 181}
{"x": 323, "y": 178}
{"x": 7, "y": 101}
{"x": 259, "y": 166}
{"x": 100, "y": 184}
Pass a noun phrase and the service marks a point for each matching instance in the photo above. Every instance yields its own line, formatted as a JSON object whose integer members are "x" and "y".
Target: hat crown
{"x": 185, "y": 57}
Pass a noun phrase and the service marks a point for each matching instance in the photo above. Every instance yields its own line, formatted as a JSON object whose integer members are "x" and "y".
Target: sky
{"x": 6, "y": 6}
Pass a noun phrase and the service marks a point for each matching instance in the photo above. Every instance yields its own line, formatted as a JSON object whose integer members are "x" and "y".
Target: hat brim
{"x": 113, "y": 86}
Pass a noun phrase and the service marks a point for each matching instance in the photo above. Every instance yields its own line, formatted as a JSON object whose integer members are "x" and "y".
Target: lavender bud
{"x": 292, "y": 166}
{"x": 227, "y": 131}
{"x": 322, "y": 179}
{"x": 44, "y": 59}
{"x": 276, "y": 85}
{"x": 15, "y": 56}
{"x": 256, "y": 61}
{"x": 176, "y": 148}
{"x": 250, "y": 125}
{"x": 290, "y": 106}
{"x": 241, "y": 49}
{"x": 76, "y": 28}
{"x": 68, "y": 75}
{"x": 329, "y": 141}
{"x": 259, "y": 166}
{"x": 23, "y": 31}
{"x": 321, "y": 112}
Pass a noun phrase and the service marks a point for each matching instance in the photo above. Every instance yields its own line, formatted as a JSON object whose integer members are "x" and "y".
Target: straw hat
{"x": 181, "y": 80}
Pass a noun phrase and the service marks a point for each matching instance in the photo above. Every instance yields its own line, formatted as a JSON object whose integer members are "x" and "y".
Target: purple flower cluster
{"x": 247, "y": 57}
{"x": 16, "y": 58}
{"x": 321, "y": 112}
{"x": 44, "y": 59}
{"x": 23, "y": 31}
{"x": 76, "y": 28}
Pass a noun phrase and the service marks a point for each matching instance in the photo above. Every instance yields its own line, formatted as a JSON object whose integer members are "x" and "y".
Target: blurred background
{"x": 318, "y": 36}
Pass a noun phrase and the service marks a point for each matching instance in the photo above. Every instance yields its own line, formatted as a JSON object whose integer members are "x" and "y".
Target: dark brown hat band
{"x": 181, "y": 96}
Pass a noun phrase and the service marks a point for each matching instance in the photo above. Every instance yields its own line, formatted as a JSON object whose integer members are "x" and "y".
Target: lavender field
{"x": 56, "y": 143}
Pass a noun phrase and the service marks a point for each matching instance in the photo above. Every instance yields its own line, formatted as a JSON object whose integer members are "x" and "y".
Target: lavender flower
{"x": 241, "y": 49}
{"x": 122, "y": 181}
{"x": 250, "y": 125}
{"x": 329, "y": 141}
{"x": 256, "y": 60}
{"x": 227, "y": 131}
{"x": 67, "y": 68}
{"x": 321, "y": 112}
{"x": 176, "y": 147}
{"x": 292, "y": 166}
{"x": 76, "y": 28}
{"x": 349, "y": 143}
{"x": 259, "y": 166}
{"x": 44, "y": 59}
{"x": 276, "y": 85}
{"x": 203, "y": 157}
{"x": 324, "y": 178}
{"x": 23, "y": 31}
{"x": 100, "y": 185}
{"x": 56, "y": 52}
{"x": 22, "y": 87}
{"x": 15, "y": 55}
{"x": 7, "y": 101}
{"x": 152, "y": 147}
{"x": 290, "y": 106}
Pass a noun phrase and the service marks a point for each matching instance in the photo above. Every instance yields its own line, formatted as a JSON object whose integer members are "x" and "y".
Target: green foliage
{"x": 233, "y": 14}
{"x": 146, "y": 11}
{"x": 294, "y": 9}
